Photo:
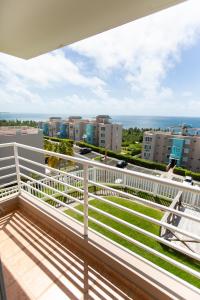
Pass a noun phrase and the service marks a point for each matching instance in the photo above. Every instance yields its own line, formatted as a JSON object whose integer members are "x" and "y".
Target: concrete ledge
{"x": 139, "y": 279}
{"x": 8, "y": 204}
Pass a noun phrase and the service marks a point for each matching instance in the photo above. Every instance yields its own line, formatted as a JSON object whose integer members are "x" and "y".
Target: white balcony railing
{"x": 95, "y": 181}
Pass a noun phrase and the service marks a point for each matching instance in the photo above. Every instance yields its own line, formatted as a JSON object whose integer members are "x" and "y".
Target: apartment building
{"x": 110, "y": 136}
{"x": 24, "y": 135}
{"x": 100, "y": 131}
{"x": 180, "y": 145}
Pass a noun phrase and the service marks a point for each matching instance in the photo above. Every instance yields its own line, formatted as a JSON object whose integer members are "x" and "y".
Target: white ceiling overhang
{"x": 31, "y": 27}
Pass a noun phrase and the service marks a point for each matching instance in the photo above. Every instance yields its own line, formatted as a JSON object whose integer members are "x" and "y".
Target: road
{"x": 113, "y": 161}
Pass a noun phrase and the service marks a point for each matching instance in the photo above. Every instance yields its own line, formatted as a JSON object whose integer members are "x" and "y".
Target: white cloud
{"x": 47, "y": 69}
{"x": 19, "y": 79}
{"x": 141, "y": 53}
{"x": 147, "y": 48}
{"x": 127, "y": 106}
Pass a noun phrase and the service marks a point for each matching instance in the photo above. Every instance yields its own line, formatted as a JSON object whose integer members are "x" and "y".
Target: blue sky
{"x": 147, "y": 67}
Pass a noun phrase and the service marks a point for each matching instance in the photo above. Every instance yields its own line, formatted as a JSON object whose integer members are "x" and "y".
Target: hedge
{"x": 55, "y": 139}
{"x": 133, "y": 160}
{"x": 179, "y": 171}
{"x": 185, "y": 172}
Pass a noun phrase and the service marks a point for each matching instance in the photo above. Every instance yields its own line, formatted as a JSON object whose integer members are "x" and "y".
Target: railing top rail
{"x": 4, "y": 145}
{"x": 104, "y": 166}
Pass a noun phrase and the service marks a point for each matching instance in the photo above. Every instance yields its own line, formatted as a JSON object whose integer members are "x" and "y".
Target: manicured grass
{"x": 137, "y": 236}
{"x": 94, "y": 189}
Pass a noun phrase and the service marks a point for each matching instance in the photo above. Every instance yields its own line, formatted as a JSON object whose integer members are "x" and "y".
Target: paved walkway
{"x": 189, "y": 226}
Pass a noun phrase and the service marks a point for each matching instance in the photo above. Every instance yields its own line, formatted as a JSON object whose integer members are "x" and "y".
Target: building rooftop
{"x": 17, "y": 130}
{"x": 180, "y": 130}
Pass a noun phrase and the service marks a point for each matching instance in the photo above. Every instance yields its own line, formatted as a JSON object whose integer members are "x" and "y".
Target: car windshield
{"x": 188, "y": 180}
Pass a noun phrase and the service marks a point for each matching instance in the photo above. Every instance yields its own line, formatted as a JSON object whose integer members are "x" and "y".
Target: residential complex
{"x": 100, "y": 131}
{"x": 180, "y": 145}
{"x": 26, "y": 136}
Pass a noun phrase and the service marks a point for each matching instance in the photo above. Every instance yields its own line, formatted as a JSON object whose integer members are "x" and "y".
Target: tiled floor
{"x": 36, "y": 266}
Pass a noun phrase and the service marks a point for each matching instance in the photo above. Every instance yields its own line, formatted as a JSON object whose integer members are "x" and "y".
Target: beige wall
{"x": 160, "y": 148}
{"x": 116, "y": 137}
{"x": 111, "y": 137}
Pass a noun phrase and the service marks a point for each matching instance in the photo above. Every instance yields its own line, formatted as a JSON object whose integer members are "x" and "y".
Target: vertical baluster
{"x": 85, "y": 187}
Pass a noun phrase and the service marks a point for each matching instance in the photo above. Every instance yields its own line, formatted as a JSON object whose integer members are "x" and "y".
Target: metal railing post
{"x": 85, "y": 188}
{"x": 17, "y": 167}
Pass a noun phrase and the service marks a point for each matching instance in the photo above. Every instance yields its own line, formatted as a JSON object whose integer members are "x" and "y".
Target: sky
{"x": 147, "y": 67}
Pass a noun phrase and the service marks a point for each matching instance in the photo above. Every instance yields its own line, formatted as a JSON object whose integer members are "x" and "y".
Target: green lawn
{"x": 138, "y": 236}
{"x": 93, "y": 189}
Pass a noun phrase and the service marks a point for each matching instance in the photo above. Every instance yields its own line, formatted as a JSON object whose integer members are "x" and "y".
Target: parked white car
{"x": 188, "y": 180}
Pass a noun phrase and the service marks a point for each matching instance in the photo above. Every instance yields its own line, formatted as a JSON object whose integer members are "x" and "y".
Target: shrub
{"x": 55, "y": 139}
{"x": 185, "y": 172}
{"x": 179, "y": 171}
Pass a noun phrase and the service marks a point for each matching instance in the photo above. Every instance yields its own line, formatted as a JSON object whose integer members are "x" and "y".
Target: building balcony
{"x": 96, "y": 233}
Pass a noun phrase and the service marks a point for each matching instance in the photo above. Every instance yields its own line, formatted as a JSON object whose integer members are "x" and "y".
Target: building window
{"x": 187, "y": 141}
{"x": 102, "y": 134}
{"x": 102, "y": 142}
{"x": 103, "y": 128}
{"x": 148, "y": 139}
{"x": 147, "y": 147}
{"x": 146, "y": 155}
{"x": 186, "y": 150}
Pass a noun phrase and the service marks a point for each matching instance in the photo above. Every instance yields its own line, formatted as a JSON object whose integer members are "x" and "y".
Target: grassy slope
{"x": 140, "y": 237}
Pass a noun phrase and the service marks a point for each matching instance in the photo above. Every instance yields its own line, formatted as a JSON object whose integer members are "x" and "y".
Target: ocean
{"x": 127, "y": 121}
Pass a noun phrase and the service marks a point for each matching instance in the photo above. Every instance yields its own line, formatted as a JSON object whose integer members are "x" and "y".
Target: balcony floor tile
{"x": 38, "y": 266}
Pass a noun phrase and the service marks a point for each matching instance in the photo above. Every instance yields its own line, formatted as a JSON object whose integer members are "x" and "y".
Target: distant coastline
{"x": 127, "y": 121}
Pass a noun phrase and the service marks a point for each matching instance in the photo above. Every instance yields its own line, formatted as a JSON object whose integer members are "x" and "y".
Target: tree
{"x": 63, "y": 147}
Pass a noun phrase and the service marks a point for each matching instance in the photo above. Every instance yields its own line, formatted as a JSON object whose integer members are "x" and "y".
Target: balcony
{"x": 96, "y": 233}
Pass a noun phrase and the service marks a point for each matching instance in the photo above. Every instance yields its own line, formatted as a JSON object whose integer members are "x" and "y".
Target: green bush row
{"x": 136, "y": 161}
{"x": 185, "y": 172}
{"x": 55, "y": 139}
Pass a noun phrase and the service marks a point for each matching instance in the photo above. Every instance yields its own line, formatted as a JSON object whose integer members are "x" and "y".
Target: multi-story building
{"x": 180, "y": 145}
{"x": 24, "y": 135}
{"x": 109, "y": 135}
{"x": 100, "y": 132}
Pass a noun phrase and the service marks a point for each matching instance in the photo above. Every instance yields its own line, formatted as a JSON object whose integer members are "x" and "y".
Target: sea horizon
{"x": 128, "y": 121}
